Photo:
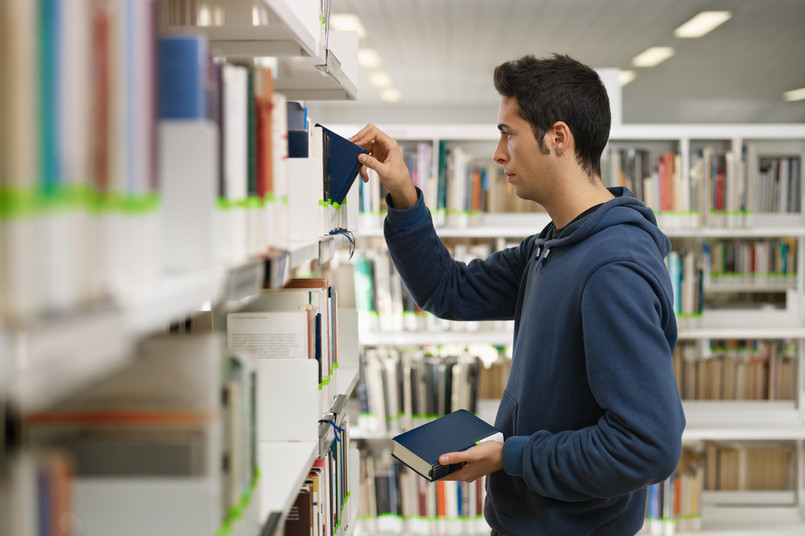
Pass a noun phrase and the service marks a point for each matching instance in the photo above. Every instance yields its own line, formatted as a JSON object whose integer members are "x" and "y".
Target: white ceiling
{"x": 441, "y": 54}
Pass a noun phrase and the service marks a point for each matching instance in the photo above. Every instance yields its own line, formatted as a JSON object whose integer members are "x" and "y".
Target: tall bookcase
{"x": 163, "y": 265}
{"x": 768, "y": 307}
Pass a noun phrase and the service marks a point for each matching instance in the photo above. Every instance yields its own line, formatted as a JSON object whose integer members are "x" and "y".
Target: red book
{"x": 263, "y": 95}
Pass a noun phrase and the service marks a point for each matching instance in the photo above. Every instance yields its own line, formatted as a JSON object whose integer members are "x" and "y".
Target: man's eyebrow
{"x": 501, "y": 126}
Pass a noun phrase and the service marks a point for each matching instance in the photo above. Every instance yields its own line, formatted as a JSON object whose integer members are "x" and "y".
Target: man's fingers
{"x": 450, "y": 458}
{"x": 365, "y": 137}
{"x": 371, "y": 162}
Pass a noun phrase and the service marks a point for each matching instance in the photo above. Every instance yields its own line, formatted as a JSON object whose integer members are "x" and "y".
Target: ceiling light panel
{"x": 652, "y": 56}
{"x": 702, "y": 24}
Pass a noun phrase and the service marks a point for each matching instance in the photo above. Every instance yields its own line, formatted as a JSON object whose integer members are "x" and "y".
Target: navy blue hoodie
{"x": 591, "y": 413}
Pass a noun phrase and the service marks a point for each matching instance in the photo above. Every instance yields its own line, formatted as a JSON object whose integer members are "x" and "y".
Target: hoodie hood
{"x": 624, "y": 209}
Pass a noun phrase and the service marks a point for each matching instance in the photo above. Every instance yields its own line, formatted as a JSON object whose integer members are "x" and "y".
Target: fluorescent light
{"x": 652, "y": 56}
{"x": 795, "y": 95}
{"x": 703, "y": 23}
{"x": 368, "y": 58}
{"x": 259, "y": 16}
{"x": 390, "y": 95}
{"x": 344, "y": 22}
{"x": 268, "y": 61}
{"x": 624, "y": 77}
{"x": 380, "y": 79}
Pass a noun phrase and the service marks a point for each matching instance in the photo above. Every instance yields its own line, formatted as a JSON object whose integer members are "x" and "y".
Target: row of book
{"x": 399, "y": 390}
{"x": 127, "y": 155}
{"x": 720, "y": 189}
{"x": 298, "y": 321}
{"x": 762, "y": 262}
{"x": 385, "y": 305}
{"x": 396, "y": 500}
{"x": 750, "y": 466}
{"x": 675, "y": 504}
{"x": 78, "y": 131}
{"x": 182, "y": 411}
{"x": 737, "y": 369}
{"x": 686, "y": 270}
{"x": 696, "y": 272}
{"x": 320, "y": 506}
{"x": 457, "y": 187}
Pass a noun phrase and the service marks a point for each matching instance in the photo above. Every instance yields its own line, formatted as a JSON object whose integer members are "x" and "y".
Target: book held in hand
{"x": 420, "y": 448}
{"x": 341, "y": 165}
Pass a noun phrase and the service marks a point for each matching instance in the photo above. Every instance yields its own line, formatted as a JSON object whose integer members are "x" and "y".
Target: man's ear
{"x": 561, "y": 138}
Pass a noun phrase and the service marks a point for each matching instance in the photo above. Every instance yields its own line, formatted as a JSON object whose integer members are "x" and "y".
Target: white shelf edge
{"x": 284, "y": 466}
{"x": 314, "y": 79}
{"x": 350, "y": 374}
{"x": 285, "y": 35}
{"x": 504, "y": 337}
{"x": 51, "y": 358}
{"x": 782, "y": 332}
{"x": 500, "y": 338}
{"x": 742, "y": 420}
{"x": 622, "y": 132}
{"x": 529, "y": 224}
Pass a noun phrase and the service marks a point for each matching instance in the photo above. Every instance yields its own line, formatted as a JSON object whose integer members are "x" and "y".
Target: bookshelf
{"x": 723, "y": 422}
{"x": 100, "y": 273}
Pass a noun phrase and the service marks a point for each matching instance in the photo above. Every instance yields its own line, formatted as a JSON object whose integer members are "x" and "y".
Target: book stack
{"x": 158, "y": 436}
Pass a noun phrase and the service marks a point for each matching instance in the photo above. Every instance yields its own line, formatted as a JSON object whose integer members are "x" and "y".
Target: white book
{"x": 270, "y": 335}
{"x": 279, "y": 139}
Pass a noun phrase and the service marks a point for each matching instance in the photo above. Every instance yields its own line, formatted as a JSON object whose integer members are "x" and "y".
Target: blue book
{"x": 341, "y": 165}
{"x": 182, "y": 73}
{"x": 420, "y": 448}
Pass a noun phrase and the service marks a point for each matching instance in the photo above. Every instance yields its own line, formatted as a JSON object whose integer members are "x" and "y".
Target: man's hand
{"x": 477, "y": 461}
{"x": 386, "y": 159}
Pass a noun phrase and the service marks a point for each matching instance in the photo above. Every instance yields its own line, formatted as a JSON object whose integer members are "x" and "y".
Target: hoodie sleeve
{"x": 483, "y": 289}
{"x": 637, "y": 439}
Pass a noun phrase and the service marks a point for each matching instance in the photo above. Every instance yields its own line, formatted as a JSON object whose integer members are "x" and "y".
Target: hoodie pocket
{"x": 506, "y": 492}
{"x": 506, "y": 419}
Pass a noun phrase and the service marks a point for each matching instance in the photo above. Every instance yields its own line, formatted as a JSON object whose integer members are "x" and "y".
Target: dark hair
{"x": 560, "y": 89}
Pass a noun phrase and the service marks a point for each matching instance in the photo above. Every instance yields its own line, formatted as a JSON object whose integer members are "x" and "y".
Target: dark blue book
{"x": 297, "y": 130}
{"x": 420, "y": 448}
{"x": 182, "y": 77}
{"x": 341, "y": 165}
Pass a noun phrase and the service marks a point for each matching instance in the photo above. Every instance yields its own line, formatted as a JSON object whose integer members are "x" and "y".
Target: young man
{"x": 591, "y": 414}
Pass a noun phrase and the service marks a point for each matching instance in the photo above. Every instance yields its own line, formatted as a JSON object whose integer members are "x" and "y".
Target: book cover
{"x": 341, "y": 164}
{"x": 421, "y": 447}
{"x": 182, "y": 74}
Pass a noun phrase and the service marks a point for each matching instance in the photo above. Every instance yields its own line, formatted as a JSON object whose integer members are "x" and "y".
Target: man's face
{"x": 527, "y": 166}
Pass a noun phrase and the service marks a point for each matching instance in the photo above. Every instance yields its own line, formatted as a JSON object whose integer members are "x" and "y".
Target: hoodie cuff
{"x": 512, "y": 454}
{"x": 405, "y": 220}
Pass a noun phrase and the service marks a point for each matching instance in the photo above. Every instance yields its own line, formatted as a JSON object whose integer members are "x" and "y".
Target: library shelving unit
{"x": 53, "y": 348}
{"x": 746, "y": 151}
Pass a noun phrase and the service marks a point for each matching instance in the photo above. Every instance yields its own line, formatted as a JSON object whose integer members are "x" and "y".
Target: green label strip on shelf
{"x": 33, "y": 202}
{"x": 235, "y": 513}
